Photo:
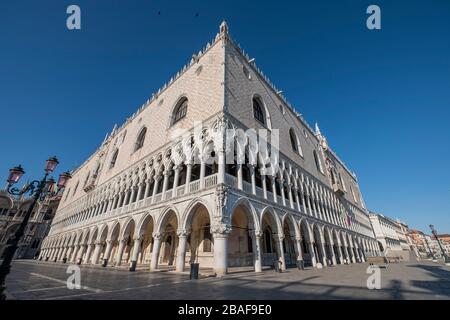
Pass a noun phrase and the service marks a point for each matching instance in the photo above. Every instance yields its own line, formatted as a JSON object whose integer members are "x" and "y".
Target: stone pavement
{"x": 415, "y": 280}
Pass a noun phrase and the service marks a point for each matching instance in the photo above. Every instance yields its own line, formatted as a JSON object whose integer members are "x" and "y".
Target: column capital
{"x": 157, "y": 235}
{"x": 221, "y": 230}
{"x": 281, "y": 236}
{"x": 258, "y": 233}
{"x": 298, "y": 238}
{"x": 183, "y": 233}
{"x": 138, "y": 237}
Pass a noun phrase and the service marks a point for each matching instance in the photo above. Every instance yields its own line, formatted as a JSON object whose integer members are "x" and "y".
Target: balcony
{"x": 338, "y": 190}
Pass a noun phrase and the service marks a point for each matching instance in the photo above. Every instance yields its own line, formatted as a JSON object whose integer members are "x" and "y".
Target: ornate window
{"x": 295, "y": 143}
{"x": 76, "y": 187}
{"x": 258, "y": 112}
{"x": 318, "y": 163}
{"x": 114, "y": 159}
{"x": 180, "y": 110}
{"x": 87, "y": 179}
{"x": 140, "y": 139}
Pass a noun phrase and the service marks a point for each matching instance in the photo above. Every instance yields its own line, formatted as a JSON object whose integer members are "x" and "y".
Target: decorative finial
{"x": 224, "y": 27}
{"x": 318, "y": 129}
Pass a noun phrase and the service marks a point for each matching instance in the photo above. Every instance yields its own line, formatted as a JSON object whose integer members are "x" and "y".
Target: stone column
{"x": 251, "y": 168}
{"x": 121, "y": 199}
{"x": 291, "y": 200}
{"x": 298, "y": 244}
{"x": 281, "y": 251}
{"x": 297, "y": 199}
{"x": 165, "y": 184}
{"x": 155, "y": 252}
{"x": 356, "y": 250}
{"x": 352, "y": 254}
{"x": 323, "y": 253}
{"x": 274, "y": 188}
{"x": 88, "y": 254}
{"x": 333, "y": 256}
{"x": 98, "y": 247}
{"x": 221, "y": 233}
{"x": 239, "y": 176}
{"x": 140, "y": 190}
{"x": 341, "y": 255}
{"x": 109, "y": 246}
{"x": 64, "y": 252}
{"x": 175, "y": 180}
{"x": 283, "y": 198}
{"x": 126, "y": 199}
{"x": 256, "y": 237}
{"x": 221, "y": 166}
{"x": 202, "y": 172}
{"x": 312, "y": 253}
{"x": 80, "y": 253}
{"x": 136, "y": 250}
{"x": 120, "y": 250}
{"x": 74, "y": 253}
{"x": 182, "y": 245}
{"x": 155, "y": 187}
{"x": 263, "y": 179}
{"x": 147, "y": 188}
{"x": 58, "y": 254}
{"x": 188, "y": 176}
{"x": 68, "y": 253}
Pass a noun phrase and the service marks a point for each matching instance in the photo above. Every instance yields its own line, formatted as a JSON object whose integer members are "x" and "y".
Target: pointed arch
{"x": 179, "y": 111}
{"x": 140, "y": 139}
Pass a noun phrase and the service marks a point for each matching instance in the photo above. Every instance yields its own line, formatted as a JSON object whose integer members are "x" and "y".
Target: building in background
{"x": 12, "y": 211}
{"x": 444, "y": 240}
{"x": 158, "y": 192}
{"x": 402, "y": 233}
{"x": 390, "y": 236}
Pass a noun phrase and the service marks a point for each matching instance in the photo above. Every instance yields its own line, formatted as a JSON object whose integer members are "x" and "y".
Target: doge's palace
{"x": 181, "y": 182}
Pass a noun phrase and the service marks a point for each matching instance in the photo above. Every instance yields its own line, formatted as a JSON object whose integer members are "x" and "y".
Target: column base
{"x": 133, "y": 266}
{"x": 79, "y": 261}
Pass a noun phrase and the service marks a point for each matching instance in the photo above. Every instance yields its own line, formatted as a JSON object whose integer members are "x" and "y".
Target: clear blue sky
{"x": 381, "y": 97}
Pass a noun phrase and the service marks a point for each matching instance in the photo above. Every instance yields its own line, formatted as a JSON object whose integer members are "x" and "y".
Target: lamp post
{"x": 434, "y": 232}
{"x": 39, "y": 190}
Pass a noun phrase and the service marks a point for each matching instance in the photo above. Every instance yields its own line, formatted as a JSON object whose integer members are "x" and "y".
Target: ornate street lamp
{"x": 39, "y": 190}
{"x": 434, "y": 232}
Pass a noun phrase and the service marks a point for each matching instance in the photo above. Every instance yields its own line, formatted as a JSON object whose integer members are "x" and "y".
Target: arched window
{"x": 295, "y": 143}
{"x": 76, "y": 187}
{"x": 87, "y": 179}
{"x": 114, "y": 159}
{"x": 140, "y": 139}
{"x": 180, "y": 110}
{"x": 258, "y": 112}
{"x": 318, "y": 163}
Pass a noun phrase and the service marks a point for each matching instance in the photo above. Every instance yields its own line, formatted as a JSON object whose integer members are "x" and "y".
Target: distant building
{"x": 390, "y": 236}
{"x": 402, "y": 233}
{"x": 445, "y": 243}
{"x": 12, "y": 211}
